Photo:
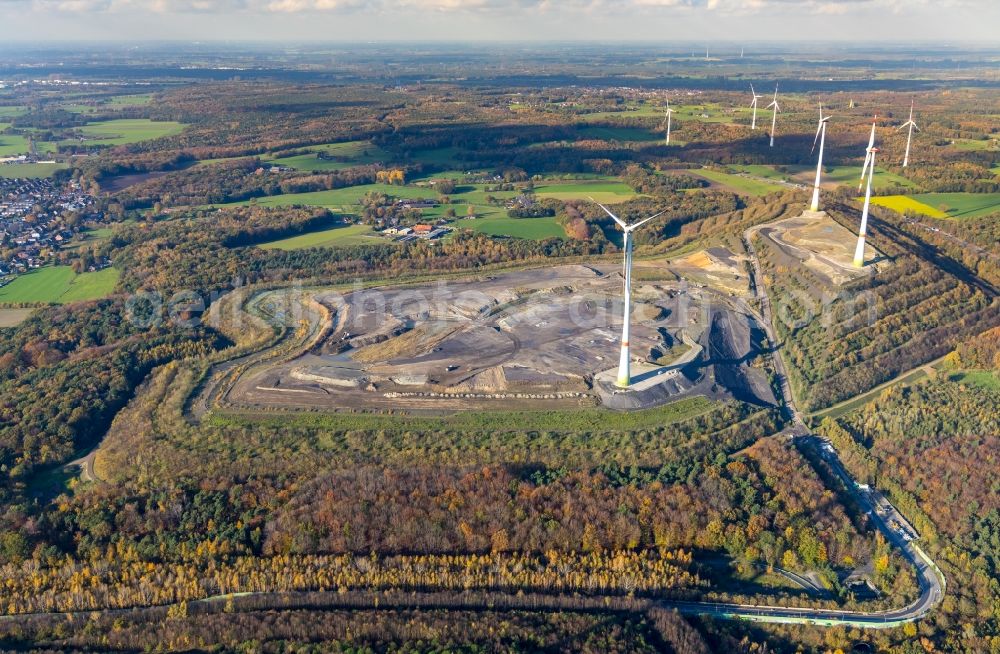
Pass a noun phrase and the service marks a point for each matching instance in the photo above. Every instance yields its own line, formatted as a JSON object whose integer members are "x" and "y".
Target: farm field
{"x": 13, "y": 317}
{"x": 345, "y": 199}
{"x": 737, "y": 183}
{"x": 944, "y": 205}
{"x": 10, "y": 111}
{"x": 137, "y": 100}
{"x": 32, "y": 170}
{"x": 600, "y": 190}
{"x": 527, "y": 228}
{"x": 12, "y": 144}
{"x": 709, "y": 113}
{"x": 128, "y": 130}
{"x": 348, "y": 154}
{"x": 975, "y": 145}
{"x": 327, "y": 238}
{"x": 438, "y": 156}
{"x": 762, "y": 170}
{"x": 904, "y": 203}
{"x": 58, "y": 285}
{"x": 630, "y": 111}
{"x": 834, "y": 175}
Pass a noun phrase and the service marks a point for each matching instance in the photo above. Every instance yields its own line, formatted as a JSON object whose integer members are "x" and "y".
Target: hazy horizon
{"x": 496, "y": 21}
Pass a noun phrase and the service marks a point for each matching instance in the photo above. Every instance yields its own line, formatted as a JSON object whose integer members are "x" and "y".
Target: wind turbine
{"x": 859, "y": 253}
{"x": 868, "y": 154}
{"x": 753, "y": 105}
{"x": 774, "y": 114}
{"x": 669, "y": 113}
{"x": 821, "y": 137}
{"x": 624, "y": 363}
{"x": 909, "y": 135}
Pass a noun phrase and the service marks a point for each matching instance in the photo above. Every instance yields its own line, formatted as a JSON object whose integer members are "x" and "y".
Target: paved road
{"x": 766, "y": 319}
{"x": 930, "y": 579}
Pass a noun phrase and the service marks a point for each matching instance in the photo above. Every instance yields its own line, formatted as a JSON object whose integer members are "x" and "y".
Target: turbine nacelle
{"x": 820, "y": 127}
{"x": 868, "y": 153}
{"x": 628, "y": 229}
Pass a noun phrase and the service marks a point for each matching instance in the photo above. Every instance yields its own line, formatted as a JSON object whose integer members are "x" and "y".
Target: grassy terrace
{"x": 737, "y": 183}
{"x": 327, "y": 238}
{"x": 565, "y": 421}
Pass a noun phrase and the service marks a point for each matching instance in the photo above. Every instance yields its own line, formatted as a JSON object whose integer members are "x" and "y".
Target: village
{"x": 38, "y": 218}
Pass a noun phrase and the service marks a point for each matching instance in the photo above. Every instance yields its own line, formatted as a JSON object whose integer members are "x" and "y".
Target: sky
{"x": 502, "y": 20}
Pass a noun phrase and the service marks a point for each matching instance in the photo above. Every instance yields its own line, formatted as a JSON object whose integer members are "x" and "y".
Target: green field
{"x": 352, "y": 153}
{"x": 12, "y": 144}
{"x": 58, "y": 285}
{"x": 345, "y": 199}
{"x": 128, "y": 130}
{"x": 10, "y": 112}
{"x": 464, "y": 424}
{"x": 762, "y": 170}
{"x": 600, "y": 190}
{"x": 630, "y": 111}
{"x": 943, "y": 205}
{"x": 326, "y": 238}
{"x": 137, "y": 100}
{"x": 737, "y": 183}
{"x": 961, "y": 205}
{"x": 31, "y": 170}
{"x": 528, "y": 228}
{"x": 618, "y": 134}
{"x": 972, "y": 145}
{"x": 852, "y": 175}
{"x": 708, "y": 113}
{"x": 438, "y": 156}
{"x": 835, "y": 174}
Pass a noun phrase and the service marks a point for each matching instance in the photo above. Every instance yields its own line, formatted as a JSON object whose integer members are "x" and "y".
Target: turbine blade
{"x": 613, "y": 216}
{"x": 816, "y": 140}
{"x": 635, "y": 226}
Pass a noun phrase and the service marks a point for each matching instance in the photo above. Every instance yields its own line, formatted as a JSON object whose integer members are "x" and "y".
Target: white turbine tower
{"x": 774, "y": 113}
{"x": 624, "y": 363}
{"x": 669, "y": 113}
{"x": 859, "y": 253}
{"x": 821, "y": 137}
{"x": 909, "y": 135}
{"x": 869, "y": 169}
{"x": 753, "y": 105}
{"x": 868, "y": 154}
